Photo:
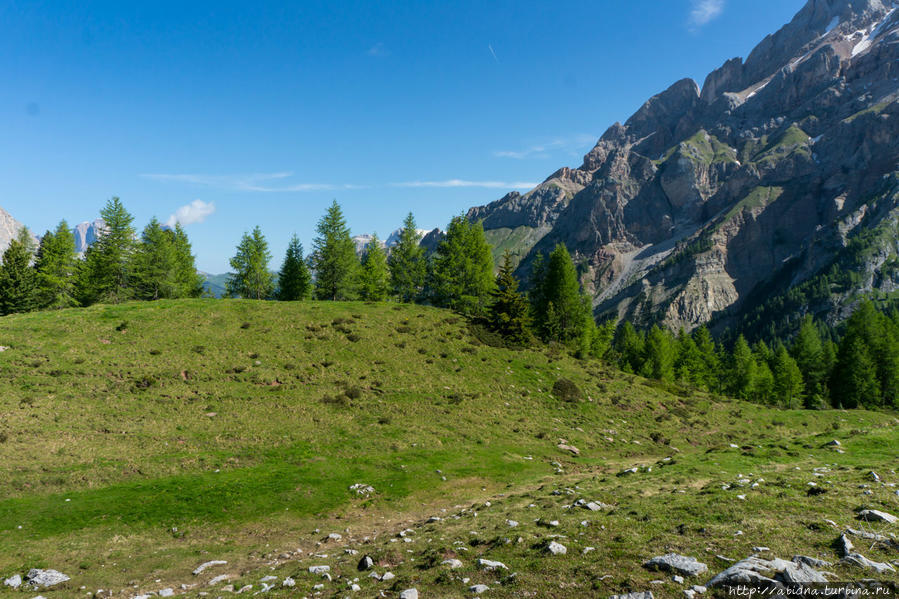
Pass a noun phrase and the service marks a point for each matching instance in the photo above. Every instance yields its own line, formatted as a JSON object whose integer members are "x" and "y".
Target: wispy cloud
{"x": 378, "y": 49}
{"x": 259, "y": 182}
{"x": 195, "y": 212}
{"x": 465, "y": 183}
{"x": 703, "y": 11}
{"x": 493, "y": 52}
{"x": 278, "y": 183}
{"x": 569, "y": 145}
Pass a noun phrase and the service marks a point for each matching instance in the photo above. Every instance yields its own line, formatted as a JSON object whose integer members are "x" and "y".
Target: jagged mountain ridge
{"x": 707, "y": 195}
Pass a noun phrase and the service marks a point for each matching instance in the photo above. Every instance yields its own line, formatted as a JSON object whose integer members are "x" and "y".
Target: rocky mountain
{"x": 86, "y": 233}
{"x": 362, "y": 241}
{"x": 779, "y": 176}
{"x": 9, "y": 230}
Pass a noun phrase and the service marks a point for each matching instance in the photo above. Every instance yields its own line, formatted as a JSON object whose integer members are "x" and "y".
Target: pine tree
{"x": 854, "y": 379}
{"x": 294, "y": 279}
{"x": 629, "y": 345}
{"x": 188, "y": 281}
{"x": 374, "y": 276}
{"x": 660, "y": 355}
{"x": 561, "y": 312}
{"x": 689, "y": 366}
{"x": 763, "y": 384}
{"x": 334, "y": 258}
{"x": 788, "y": 385}
{"x": 407, "y": 263}
{"x": 251, "y": 278}
{"x": 105, "y": 276}
{"x": 742, "y": 370}
{"x": 461, "y": 274}
{"x": 711, "y": 373}
{"x": 56, "y": 267}
{"x": 509, "y": 313}
{"x": 808, "y": 351}
{"x": 153, "y": 273}
{"x": 18, "y": 279}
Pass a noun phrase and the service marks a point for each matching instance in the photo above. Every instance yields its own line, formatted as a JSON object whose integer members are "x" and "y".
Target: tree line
{"x": 856, "y": 365}
{"x": 119, "y": 266}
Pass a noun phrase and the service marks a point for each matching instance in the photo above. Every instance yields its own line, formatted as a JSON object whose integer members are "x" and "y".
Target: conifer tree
{"x": 334, "y": 258}
{"x": 56, "y": 264}
{"x": 461, "y": 274}
{"x": 561, "y": 312}
{"x": 788, "y": 385}
{"x": 18, "y": 280}
{"x": 660, "y": 355}
{"x": 742, "y": 369}
{"x": 187, "y": 279}
{"x": 153, "y": 270}
{"x": 854, "y": 379}
{"x": 509, "y": 313}
{"x": 251, "y": 278}
{"x": 711, "y": 373}
{"x": 763, "y": 384}
{"x": 374, "y": 276}
{"x": 407, "y": 263}
{"x": 294, "y": 279}
{"x": 105, "y": 275}
{"x": 689, "y": 366}
{"x": 629, "y": 346}
{"x": 808, "y": 351}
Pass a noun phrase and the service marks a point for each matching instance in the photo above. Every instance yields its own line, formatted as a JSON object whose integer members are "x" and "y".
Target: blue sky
{"x": 246, "y": 113}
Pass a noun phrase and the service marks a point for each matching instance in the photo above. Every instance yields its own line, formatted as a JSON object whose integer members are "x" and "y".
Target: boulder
{"x": 199, "y": 569}
{"x": 14, "y": 581}
{"x": 672, "y": 562}
{"x": 877, "y": 516}
{"x": 45, "y": 578}
{"x": 365, "y": 563}
{"x": 319, "y": 569}
{"x": 556, "y": 548}
{"x": 409, "y": 594}
{"x": 452, "y": 563}
{"x": 491, "y": 565}
{"x": 478, "y": 588}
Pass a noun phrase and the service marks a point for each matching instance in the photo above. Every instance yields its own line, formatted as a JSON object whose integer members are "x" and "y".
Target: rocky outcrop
{"x": 705, "y": 202}
{"x": 9, "y": 230}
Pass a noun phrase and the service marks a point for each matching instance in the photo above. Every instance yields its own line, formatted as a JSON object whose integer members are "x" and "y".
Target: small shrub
{"x": 567, "y": 390}
{"x": 245, "y": 325}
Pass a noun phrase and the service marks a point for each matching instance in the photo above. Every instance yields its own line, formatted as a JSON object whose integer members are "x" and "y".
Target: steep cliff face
{"x": 9, "y": 229}
{"x": 706, "y": 201}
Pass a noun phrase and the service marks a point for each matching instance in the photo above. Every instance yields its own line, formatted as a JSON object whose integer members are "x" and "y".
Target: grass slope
{"x": 143, "y": 439}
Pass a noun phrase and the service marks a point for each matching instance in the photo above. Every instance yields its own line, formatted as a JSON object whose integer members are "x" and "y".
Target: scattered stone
{"x": 811, "y": 561}
{"x": 479, "y": 588}
{"x": 452, "y": 563}
{"x": 362, "y": 489}
{"x": 218, "y": 579}
{"x": 334, "y": 536}
{"x": 199, "y": 569}
{"x": 672, "y": 562}
{"x": 678, "y": 579}
{"x": 511, "y": 523}
{"x": 167, "y": 593}
{"x": 387, "y": 576}
{"x": 877, "y": 515}
{"x": 873, "y": 475}
{"x": 571, "y": 448}
{"x": 319, "y": 569}
{"x": 289, "y": 582}
{"x": 627, "y": 472}
{"x": 761, "y": 549}
{"x": 833, "y": 443}
{"x": 872, "y": 536}
{"x": 588, "y": 550}
{"x": 365, "y": 563}
{"x": 409, "y": 594}
{"x": 491, "y": 565}
{"x": 698, "y": 589}
{"x": 857, "y": 559}
{"x": 14, "y": 581}
{"x": 689, "y": 593}
{"x": 556, "y": 548}
{"x": 44, "y": 578}
{"x": 639, "y": 595}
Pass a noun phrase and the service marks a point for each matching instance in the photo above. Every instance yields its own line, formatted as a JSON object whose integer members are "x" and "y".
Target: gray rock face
{"x": 45, "y": 578}
{"x": 87, "y": 233}
{"x": 14, "y": 581}
{"x": 701, "y": 198}
{"x": 9, "y": 230}
{"x": 672, "y": 562}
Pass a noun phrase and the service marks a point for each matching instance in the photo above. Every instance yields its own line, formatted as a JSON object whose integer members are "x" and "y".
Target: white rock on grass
{"x": 491, "y": 565}
{"x": 452, "y": 563}
{"x": 877, "y": 516}
{"x": 14, "y": 581}
{"x": 479, "y": 588}
{"x": 319, "y": 569}
{"x": 556, "y": 548}
{"x": 167, "y": 593}
{"x": 672, "y": 562}
{"x": 199, "y": 569}
{"x": 289, "y": 582}
{"x": 388, "y": 576}
{"x": 45, "y": 578}
{"x": 218, "y": 579}
{"x": 639, "y": 595}
{"x": 409, "y": 594}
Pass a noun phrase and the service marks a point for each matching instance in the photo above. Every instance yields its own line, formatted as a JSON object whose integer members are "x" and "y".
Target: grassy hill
{"x": 141, "y": 440}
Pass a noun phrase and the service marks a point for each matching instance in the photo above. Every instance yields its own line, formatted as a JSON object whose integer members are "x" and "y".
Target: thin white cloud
{"x": 378, "y": 50}
{"x": 703, "y": 11}
{"x": 259, "y": 182}
{"x": 569, "y": 145}
{"x": 465, "y": 183}
{"x": 195, "y": 212}
{"x": 268, "y": 183}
